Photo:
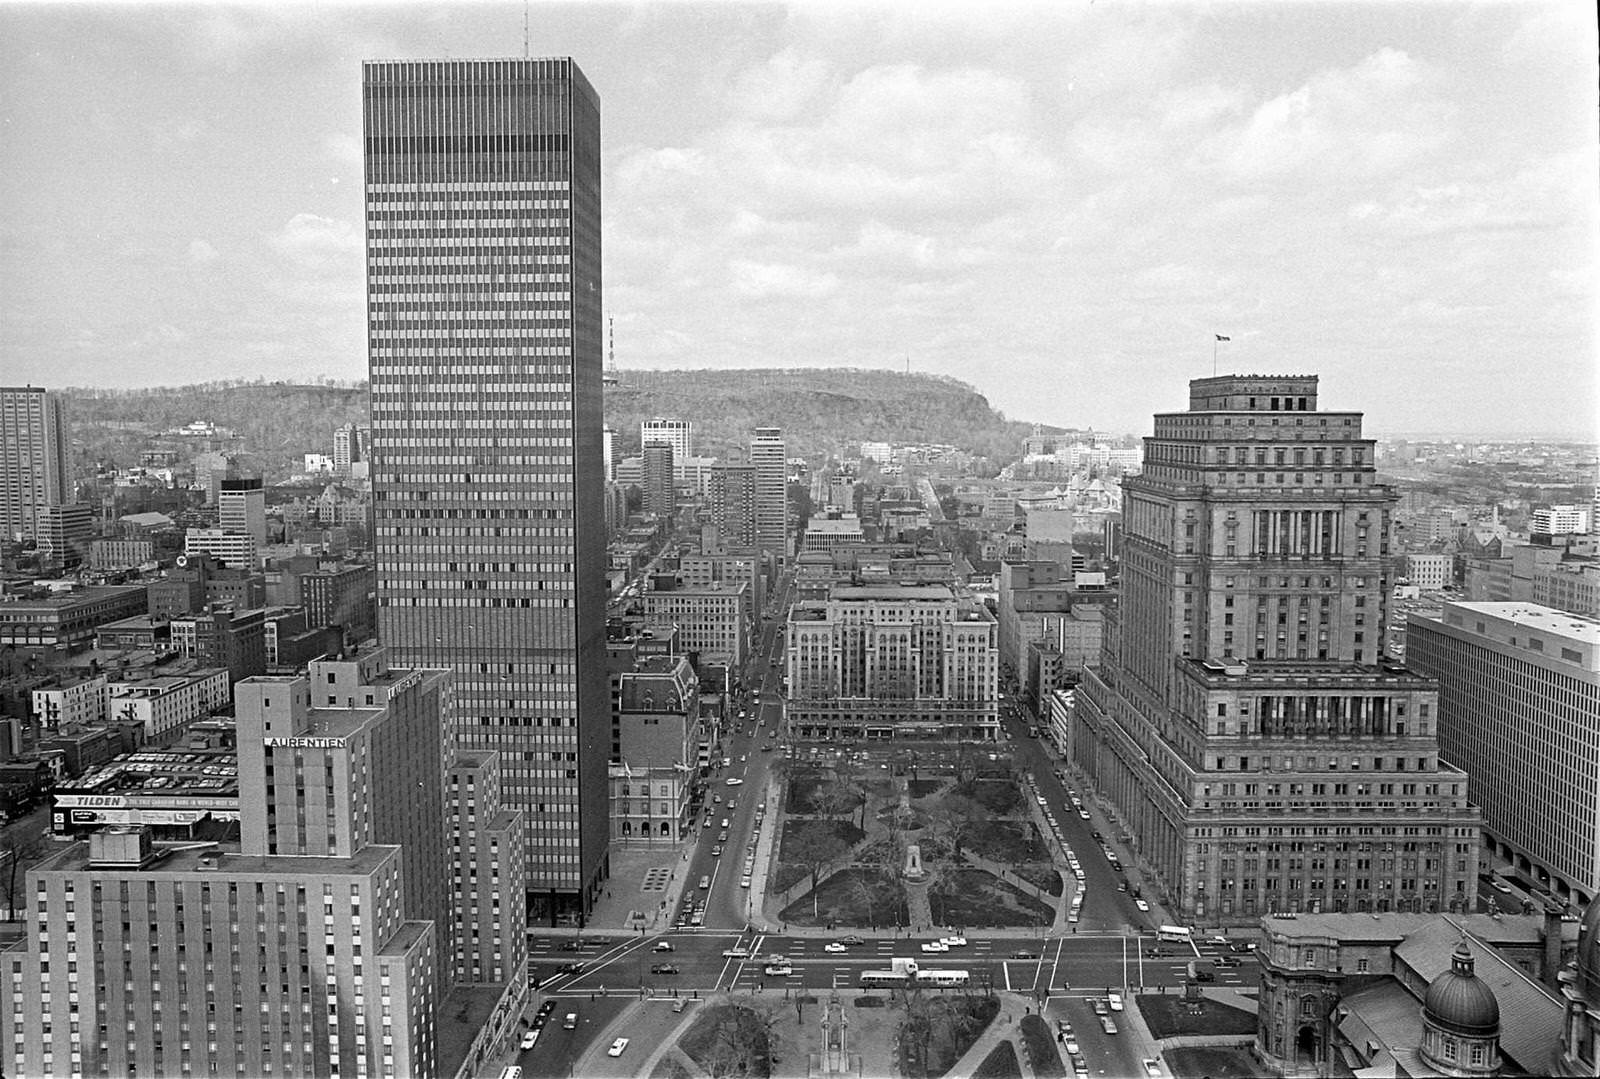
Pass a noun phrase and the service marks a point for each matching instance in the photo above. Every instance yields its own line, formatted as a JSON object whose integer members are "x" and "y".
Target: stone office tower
{"x": 484, "y": 292}
{"x": 1243, "y": 721}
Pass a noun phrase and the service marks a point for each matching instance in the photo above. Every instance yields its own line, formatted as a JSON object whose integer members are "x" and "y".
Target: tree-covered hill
{"x": 821, "y": 410}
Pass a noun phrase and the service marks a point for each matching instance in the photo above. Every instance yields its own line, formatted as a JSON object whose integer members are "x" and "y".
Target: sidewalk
{"x": 646, "y": 882}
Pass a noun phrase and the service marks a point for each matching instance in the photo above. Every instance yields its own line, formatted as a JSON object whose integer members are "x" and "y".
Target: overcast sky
{"x": 1061, "y": 204}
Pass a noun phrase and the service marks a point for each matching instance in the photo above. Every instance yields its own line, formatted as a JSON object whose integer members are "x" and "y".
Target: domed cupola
{"x": 1462, "y": 1020}
{"x": 1588, "y": 971}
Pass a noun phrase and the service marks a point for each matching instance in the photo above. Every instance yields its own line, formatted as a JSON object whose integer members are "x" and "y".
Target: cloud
{"x": 1357, "y": 122}
{"x": 201, "y": 253}
{"x": 766, "y": 280}
{"x": 317, "y": 243}
{"x": 779, "y": 89}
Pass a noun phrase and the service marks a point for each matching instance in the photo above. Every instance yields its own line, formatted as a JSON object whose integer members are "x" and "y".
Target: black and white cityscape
{"x": 1068, "y": 544}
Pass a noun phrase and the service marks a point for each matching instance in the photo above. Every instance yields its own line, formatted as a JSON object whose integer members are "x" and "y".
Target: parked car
{"x": 663, "y": 968}
{"x": 1107, "y": 1025}
{"x": 530, "y": 1039}
{"x": 1114, "y": 1001}
{"x": 1142, "y": 905}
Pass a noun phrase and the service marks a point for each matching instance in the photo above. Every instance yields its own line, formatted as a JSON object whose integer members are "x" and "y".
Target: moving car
{"x": 618, "y": 1047}
{"x": 663, "y": 946}
{"x": 1142, "y": 905}
{"x": 955, "y": 941}
{"x": 1223, "y": 961}
{"x": 1024, "y": 955}
{"x": 935, "y": 946}
{"x": 851, "y": 939}
{"x": 734, "y": 781}
{"x": 1152, "y": 1067}
{"x": 663, "y": 968}
{"x": 834, "y": 946}
{"x": 777, "y": 970}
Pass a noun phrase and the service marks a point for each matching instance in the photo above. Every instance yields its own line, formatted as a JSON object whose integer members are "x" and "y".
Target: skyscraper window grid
{"x": 483, "y": 255}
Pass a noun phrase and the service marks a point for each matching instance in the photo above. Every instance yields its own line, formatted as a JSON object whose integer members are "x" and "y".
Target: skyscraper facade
{"x": 34, "y": 469}
{"x": 733, "y": 506}
{"x": 768, "y": 454}
{"x": 679, "y": 434}
{"x": 660, "y": 492}
{"x": 484, "y": 278}
{"x": 1519, "y": 709}
{"x": 1242, "y": 721}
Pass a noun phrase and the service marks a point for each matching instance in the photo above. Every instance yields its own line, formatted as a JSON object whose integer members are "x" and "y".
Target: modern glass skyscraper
{"x": 485, "y": 353}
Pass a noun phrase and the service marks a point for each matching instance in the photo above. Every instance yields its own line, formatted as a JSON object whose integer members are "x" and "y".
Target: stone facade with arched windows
{"x": 1345, "y": 992}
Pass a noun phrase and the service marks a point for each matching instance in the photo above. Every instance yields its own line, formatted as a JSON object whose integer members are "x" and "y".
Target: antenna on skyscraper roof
{"x": 525, "y": 29}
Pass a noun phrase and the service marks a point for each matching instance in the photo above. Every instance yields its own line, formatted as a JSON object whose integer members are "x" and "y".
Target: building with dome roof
{"x": 1580, "y": 987}
{"x": 1402, "y": 994}
{"x": 1461, "y": 1020}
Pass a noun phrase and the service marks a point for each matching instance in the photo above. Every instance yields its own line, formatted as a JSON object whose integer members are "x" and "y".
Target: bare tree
{"x": 18, "y": 850}
{"x": 814, "y": 848}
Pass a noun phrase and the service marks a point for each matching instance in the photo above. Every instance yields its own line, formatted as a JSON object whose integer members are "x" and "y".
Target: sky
{"x": 1062, "y": 204}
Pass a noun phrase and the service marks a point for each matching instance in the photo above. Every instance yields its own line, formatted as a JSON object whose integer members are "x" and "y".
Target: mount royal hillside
{"x": 823, "y": 412}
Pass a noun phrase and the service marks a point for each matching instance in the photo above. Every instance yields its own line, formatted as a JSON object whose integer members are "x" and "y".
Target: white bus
{"x": 895, "y": 979}
{"x": 513, "y": 1072}
{"x": 1175, "y": 934}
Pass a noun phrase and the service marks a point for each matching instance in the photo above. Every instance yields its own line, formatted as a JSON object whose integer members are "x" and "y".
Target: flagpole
{"x": 1213, "y": 357}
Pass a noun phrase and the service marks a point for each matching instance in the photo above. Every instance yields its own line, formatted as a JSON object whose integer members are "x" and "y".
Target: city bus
{"x": 1175, "y": 934}
{"x": 512, "y": 1072}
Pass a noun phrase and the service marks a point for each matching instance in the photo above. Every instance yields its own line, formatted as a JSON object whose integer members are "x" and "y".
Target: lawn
{"x": 787, "y": 874}
{"x": 1041, "y": 1048}
{"x": 999, "y": 797}
{"x": 1169, "y": 1015}
{"x": 1001, "y": 1063}
{"x": 794, "y": 829}
{"x": 1013, "y": 842}
{"x": 921, "y": 788}
{"x": 972, "y": 897}
{"x": 726, "y": 1039}
{"x": 851, "y": 897}
{"x": 948, "y": 1027}
{"x": 802, "y": 788}
{"x": 1040, "y": 876}
{"x": 1216, "y": 1061}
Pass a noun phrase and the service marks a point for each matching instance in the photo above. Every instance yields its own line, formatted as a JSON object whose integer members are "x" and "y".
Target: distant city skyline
{"x": 1061, "y": 207}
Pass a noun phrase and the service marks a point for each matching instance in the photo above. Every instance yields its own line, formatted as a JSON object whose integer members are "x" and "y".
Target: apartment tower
{"x": 733, "y": 506}
{"x": 484, "y": 292}
{"x": 768, "y": 455}
{"x": 33, "y": 458}
{"x": 1258, "y": 749}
